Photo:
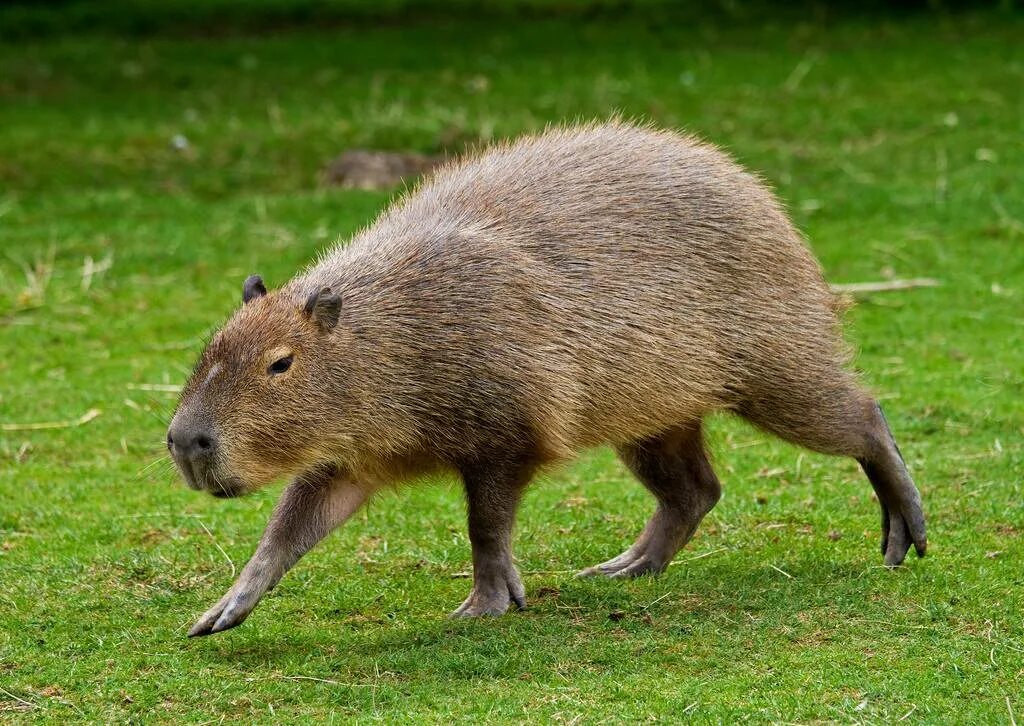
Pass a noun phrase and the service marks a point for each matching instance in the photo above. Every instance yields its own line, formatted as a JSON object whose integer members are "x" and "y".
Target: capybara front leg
{"x": 492, "y": 496}
{"x": 310, "y": 508}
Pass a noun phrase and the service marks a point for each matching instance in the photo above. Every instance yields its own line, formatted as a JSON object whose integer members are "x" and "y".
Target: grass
{"x": 896, "y": 144}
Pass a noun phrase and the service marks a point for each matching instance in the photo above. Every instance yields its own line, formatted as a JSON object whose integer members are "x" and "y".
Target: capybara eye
{"x": 280, "y": 365}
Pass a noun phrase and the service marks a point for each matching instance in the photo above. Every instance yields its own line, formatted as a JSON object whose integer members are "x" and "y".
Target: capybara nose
{"x": 191, "y": 442}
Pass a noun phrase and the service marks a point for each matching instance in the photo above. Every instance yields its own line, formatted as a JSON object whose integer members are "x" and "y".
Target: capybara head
{"x": 247, "y": 414}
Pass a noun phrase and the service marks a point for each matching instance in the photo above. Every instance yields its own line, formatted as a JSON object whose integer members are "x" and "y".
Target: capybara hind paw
{"x": 902, "y": 526}
{"x": 635, "y": 567}
{"x": 899, "y": 531}
{"x": 634, "y": 562}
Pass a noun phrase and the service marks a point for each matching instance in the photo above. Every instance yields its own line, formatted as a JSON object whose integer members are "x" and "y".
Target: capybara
{"x": 600, "y": 284}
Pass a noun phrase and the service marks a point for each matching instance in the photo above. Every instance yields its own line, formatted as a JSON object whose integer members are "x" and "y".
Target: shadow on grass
{"x": 131, "y": 18}
{"x": 724, "y": 606}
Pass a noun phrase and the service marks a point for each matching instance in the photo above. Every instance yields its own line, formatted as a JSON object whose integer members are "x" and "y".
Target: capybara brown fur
{"x": 606, "y": 284}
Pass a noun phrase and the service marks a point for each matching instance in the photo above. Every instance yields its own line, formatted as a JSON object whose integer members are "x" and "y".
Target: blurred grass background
{"x": 153, "y": 154}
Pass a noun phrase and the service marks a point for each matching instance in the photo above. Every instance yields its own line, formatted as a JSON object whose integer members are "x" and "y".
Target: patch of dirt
{"x": 151, "y": 537}
{"x": 548, "y": 592}
{"x": 369, "y": 169}
{"x": 574, "y": 502}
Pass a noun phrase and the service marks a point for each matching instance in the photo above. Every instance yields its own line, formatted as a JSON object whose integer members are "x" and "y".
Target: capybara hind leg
{"x": 675, "y": 468}
{"x": 492, "y": 496}
{"x": 902, "y": 516}
{"x": 843, "y": 420}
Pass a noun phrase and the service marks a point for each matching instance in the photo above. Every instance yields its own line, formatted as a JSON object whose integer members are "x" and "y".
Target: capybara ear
{"x": 323, "y": 308}
{"x": 253, "y": 288}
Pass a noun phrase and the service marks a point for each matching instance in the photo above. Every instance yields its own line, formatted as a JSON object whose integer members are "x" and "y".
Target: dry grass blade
{"x": 80, "y": 421}
{"x": 159, "y": 387}
{"x": 702, "y": 555}
{"x": 91, "y": 268}
{"x": 855, "y": 288}
{"x": 525, "y": 573}
{"x": 326, "y": 680}
{"x": 22, "y": 701}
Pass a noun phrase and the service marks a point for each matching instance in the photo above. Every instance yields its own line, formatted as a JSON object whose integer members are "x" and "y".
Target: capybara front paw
{"x": 232, "y": 610}
{"x": 478, "y": 604}
{"x": 494, "y": 599}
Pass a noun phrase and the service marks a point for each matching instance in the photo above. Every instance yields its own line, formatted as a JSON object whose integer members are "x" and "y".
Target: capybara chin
{"x": 603, "y": 284}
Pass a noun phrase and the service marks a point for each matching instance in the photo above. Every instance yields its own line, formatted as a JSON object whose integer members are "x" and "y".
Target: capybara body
{"x": 607, "y": 284}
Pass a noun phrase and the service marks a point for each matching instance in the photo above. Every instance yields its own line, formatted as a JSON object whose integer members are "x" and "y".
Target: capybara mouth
{"x": 226, "y": 487}
{"x": 222, "y": 487}
{"x": 188, "y": 474}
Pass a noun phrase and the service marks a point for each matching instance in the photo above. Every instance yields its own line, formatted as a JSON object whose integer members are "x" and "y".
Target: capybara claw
{"x": 204, "y": 626}
{"x": 200, "y": 628}
{"x": 228, "y": 621}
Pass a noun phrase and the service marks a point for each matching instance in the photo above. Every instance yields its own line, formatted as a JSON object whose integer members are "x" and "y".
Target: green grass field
{"x": 897, "y": 145}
